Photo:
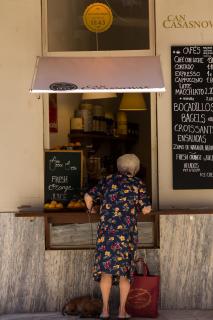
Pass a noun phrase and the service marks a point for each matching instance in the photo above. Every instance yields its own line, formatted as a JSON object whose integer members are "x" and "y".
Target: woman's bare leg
{"x": 105, "y": 285}
{"x": 124, "y": 290}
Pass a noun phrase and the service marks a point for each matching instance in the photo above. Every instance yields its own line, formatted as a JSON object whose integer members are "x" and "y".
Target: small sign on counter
{"x": 63, "y": 174}
{"x": 192, "y": 116}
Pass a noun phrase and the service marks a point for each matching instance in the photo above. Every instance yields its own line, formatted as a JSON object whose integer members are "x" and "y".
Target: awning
{"x": 98, "y": 74}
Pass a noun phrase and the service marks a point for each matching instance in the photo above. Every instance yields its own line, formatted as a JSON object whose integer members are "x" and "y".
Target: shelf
{"x": 74, "y": 217}
{"x": 83, "y": 215}
{"x": 100, "y": 136}
{"x": 61, "y": 217}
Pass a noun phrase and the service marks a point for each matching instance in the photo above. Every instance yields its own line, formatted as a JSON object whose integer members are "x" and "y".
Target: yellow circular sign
{"x": 98, "y": 17}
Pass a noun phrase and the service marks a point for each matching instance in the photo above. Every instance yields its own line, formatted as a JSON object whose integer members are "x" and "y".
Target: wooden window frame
{"x": 120, "y": 53}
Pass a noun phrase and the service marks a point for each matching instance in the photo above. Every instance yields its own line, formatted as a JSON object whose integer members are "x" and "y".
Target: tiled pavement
{"x": 163, "y": 315}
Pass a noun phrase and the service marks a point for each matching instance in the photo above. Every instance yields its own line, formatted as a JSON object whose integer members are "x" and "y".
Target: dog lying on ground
{"x": 85, "y": 307}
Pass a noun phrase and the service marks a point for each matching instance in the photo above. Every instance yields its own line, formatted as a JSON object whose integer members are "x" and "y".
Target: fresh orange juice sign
{"x": 97, "y": 17}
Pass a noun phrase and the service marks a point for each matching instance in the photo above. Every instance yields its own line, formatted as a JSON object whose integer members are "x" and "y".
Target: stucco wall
{"x": 21, "y": 113}
{"x": 165, "y": 38}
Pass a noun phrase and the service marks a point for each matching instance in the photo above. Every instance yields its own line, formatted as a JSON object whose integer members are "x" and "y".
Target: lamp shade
{"x": 99, "y": 95}
{"x": 133, "y": 102}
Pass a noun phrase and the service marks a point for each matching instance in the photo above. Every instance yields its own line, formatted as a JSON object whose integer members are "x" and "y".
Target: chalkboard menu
{"x": 192, "y": 116}
{"x": 63, "y": 175}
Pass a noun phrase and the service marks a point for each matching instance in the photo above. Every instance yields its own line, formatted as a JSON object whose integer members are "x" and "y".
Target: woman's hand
{"x": 146, "y": 210}
{"x": 95, "y": 209}
{"x": 88, "y": 200}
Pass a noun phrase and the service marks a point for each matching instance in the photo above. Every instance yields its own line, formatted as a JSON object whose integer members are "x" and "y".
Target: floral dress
{"x": 121, "y": 198}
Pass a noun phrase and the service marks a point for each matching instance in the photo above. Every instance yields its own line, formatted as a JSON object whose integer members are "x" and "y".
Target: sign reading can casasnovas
{"x": 182, "y": 21}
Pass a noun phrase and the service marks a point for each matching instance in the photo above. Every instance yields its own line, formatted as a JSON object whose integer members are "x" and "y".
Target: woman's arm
{"x": 144, "y": 199}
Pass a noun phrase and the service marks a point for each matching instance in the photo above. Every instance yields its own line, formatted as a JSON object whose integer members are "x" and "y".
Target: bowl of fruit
{"x": 76, "y": 205}
{"x": 53, "y": 206}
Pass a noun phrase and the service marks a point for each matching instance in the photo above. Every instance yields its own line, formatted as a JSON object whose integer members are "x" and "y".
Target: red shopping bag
{"x": 143, "y": 297}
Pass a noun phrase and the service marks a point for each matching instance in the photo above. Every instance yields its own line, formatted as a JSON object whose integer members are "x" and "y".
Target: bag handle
{"x": 143, "y": 265}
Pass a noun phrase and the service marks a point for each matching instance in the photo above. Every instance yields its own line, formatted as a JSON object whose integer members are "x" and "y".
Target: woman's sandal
{"x": 127, "y": 316}
{"x": 104, "y": 317}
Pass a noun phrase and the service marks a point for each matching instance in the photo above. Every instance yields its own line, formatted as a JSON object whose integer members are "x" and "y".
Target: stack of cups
{"x": 85, "y": 110}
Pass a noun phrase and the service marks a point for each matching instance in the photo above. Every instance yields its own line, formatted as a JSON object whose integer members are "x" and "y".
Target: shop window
{"x": 110, "y": 133}
{"x": 129, "y": 30}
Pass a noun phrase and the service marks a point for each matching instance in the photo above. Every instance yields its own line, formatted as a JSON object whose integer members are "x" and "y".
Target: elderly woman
{"x": 122, "y": 196}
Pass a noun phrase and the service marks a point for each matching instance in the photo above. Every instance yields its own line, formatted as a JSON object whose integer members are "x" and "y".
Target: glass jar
{"x": 86, "y": 114}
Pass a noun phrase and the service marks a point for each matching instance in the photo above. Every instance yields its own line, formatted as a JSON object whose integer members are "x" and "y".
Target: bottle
{"x": 94, "y": 124}
{"x": 109, "y": 121}
{"x": 102, "y": 124}
{"x": 98, "y": 111}
{"x": 115, "y": 129}
{"x": 98, "y": 124}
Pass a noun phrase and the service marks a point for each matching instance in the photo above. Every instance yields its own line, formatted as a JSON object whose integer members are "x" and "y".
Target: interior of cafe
{"x": 104, "y": 126}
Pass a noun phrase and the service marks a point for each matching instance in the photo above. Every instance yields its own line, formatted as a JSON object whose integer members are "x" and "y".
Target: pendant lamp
{"x": 133, "y": 102}
{"x": 98, "y": 95}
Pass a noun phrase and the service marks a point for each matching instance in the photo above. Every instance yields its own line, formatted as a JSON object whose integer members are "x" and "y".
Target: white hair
{"x": 128, "y": 163}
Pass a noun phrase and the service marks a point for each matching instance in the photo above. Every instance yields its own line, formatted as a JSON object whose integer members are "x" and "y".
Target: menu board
{"x": 63, "y": 174}
{"x": 192, "y": 116}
